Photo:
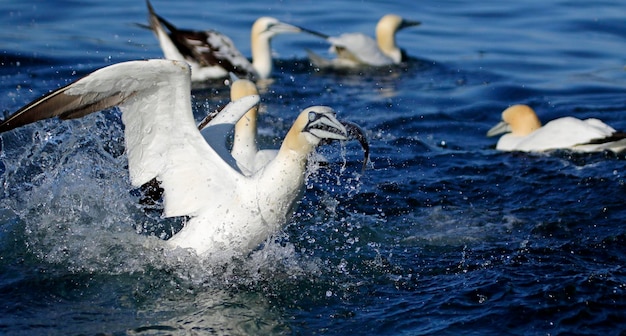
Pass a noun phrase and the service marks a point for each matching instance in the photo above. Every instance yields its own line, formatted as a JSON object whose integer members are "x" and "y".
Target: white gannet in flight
{"x": 525, "y": 133}
{"x": 357, "y": 49}
{"x": 212, "y": 54}
{"x": 230, "y": 213}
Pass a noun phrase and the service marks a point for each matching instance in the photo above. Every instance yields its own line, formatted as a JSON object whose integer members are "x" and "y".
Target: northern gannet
{"x": 212, "y": 54}
{"x": 525, "y": 133}
{"x": 357, "y": 49}
{"x": 229, "y": 213}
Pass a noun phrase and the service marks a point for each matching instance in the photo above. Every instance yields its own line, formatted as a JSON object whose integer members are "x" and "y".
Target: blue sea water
{"x": 442, "y": 235}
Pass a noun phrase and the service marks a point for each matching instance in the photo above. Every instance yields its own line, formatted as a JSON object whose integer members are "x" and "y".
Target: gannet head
{"x": 386, "y": 30}
{"x": 321, "y": 124}
{"x": 263, "y": 29}
{"x": 313, "y": 125}
{"x": 519, "y": 120}
{"x": 269, "y": 27}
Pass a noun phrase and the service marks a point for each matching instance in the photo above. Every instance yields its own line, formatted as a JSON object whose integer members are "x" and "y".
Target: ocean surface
{"x": 441, "y": 235}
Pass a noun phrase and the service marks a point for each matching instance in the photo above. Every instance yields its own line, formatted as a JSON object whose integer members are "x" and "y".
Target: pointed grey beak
{"x": 282, "y": 27}
{"x": 500, "y": 128}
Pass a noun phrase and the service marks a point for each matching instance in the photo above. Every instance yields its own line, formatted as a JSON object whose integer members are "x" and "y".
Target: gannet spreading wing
{"x": 212, "y": 54}
{"x": 357, "y": 49}
{"x": 230, "y": 213}
{"x": 524, "y": 132}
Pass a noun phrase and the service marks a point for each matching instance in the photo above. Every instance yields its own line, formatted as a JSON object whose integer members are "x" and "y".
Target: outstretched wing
{"x": 62, "y": 105}
{"x": 162, "y": 140}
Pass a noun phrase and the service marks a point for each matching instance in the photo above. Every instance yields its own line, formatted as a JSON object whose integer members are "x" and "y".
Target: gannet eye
{"x": 313, "y": 116}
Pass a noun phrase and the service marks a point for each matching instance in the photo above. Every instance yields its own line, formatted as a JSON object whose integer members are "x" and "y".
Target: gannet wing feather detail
{"x": 162, "y": 140}
{"x": 210, "y": 53}
{"x": 62, "y": 105}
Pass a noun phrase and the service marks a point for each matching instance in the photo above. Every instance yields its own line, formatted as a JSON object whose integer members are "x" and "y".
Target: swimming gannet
{"x": 525, "y": 133}
{"x": 230, "y": 213}
{"x": 212, "y": 54}
{"x": 357, "y": 49}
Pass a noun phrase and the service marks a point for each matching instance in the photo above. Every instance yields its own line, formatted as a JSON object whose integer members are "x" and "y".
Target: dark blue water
{"x": 442, "y": 235}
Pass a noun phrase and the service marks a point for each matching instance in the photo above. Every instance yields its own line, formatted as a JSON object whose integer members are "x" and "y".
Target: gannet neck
{"x": 246, "y": 127}
{"x": 522, "y": 120}
{"x": 386, "y": 30}
{"x": 386, "y": 36}
{"x": 297, "y": 144}
{"x": 284, "y": 175}
{"x": 261, "y": 49}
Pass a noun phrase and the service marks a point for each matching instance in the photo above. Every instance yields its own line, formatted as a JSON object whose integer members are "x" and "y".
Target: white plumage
{"x": 357, "y": 49}
{"x": 525, "y": 133}
{"x": 230, "y": 213}
{"x": 212, "y": 54}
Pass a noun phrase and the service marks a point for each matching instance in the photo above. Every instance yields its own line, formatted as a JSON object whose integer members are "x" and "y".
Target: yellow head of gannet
{"x": 519, "y": 120}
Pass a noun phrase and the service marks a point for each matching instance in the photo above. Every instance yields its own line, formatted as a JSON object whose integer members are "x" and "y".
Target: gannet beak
{"x": 281, "y": 27}
{"x": 501, "y": 127}
{"x": 313, "y": 32}
{"x": 409, "y": 23}
{"x": 325, "y": 126}
{"x": 233, "y": 77}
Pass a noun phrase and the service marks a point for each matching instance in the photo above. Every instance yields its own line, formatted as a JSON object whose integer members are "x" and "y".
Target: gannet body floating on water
{"x": 230, "y": 213}
{"x": 356, "y": 49}
{"x": 525, "y": 133}
{"x": 212, "y": 54}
